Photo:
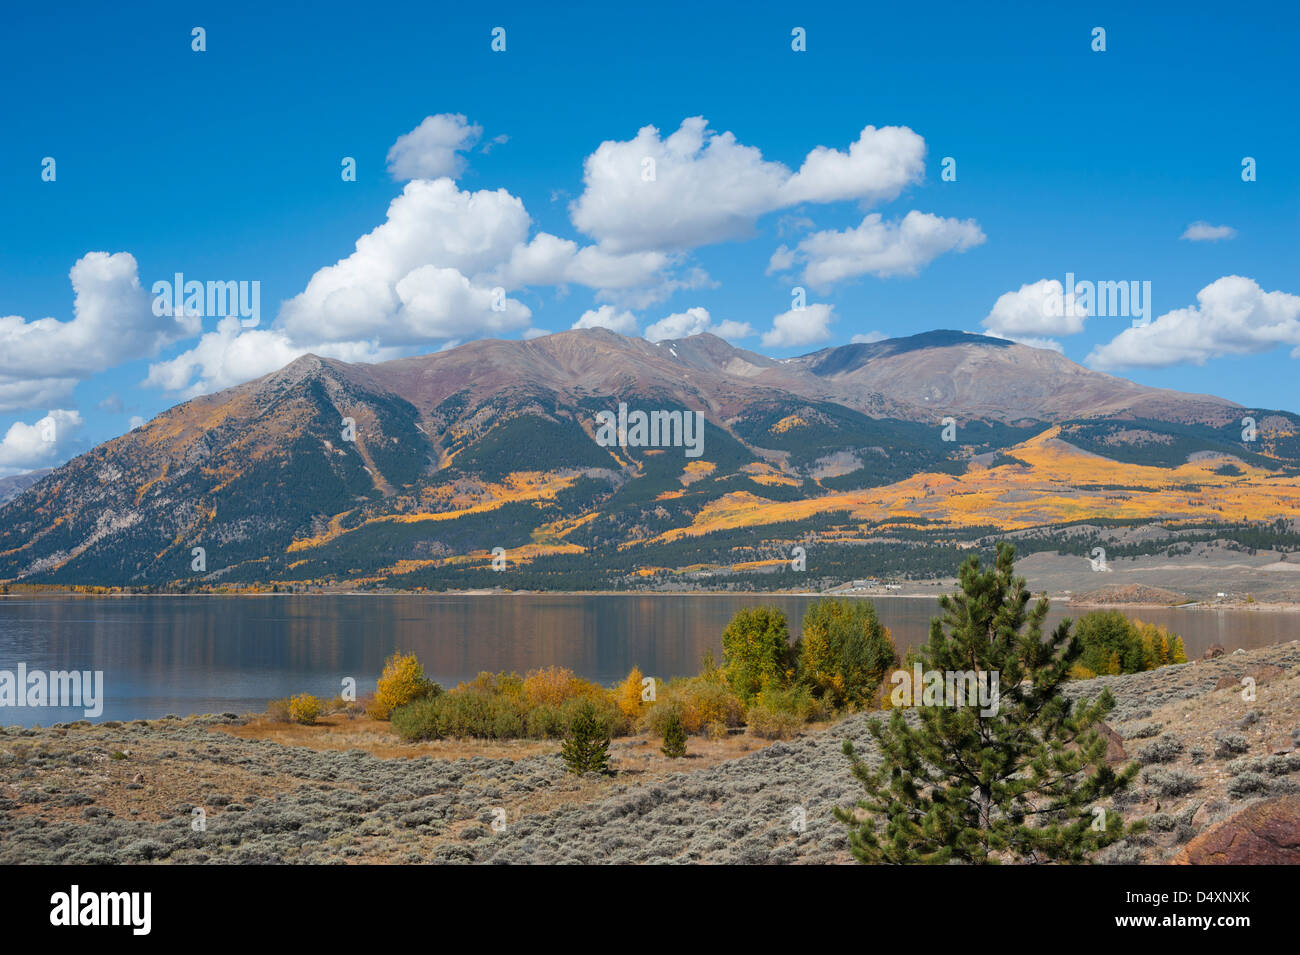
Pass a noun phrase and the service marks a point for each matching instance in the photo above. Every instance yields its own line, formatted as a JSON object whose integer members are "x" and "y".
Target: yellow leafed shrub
{"x": 628, "y": 695}
{"x": 304, "y": 708}
{"x": 1161, "y": 647}
{"x": 402, "y": 681}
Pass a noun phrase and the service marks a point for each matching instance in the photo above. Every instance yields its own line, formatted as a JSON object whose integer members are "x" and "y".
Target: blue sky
{"x": 225, "y": 165}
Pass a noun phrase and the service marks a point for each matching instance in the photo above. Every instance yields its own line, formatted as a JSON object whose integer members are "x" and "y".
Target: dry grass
{"x": 632, "y": 755}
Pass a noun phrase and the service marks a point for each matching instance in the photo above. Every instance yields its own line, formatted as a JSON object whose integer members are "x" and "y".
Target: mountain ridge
{"x": 338, "y": 472}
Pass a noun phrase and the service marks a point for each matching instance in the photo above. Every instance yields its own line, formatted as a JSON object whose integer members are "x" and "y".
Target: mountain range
{"x": 480, "y": 466}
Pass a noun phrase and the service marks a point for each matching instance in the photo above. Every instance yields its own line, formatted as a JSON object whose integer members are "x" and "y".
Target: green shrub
{"x": 611, "y": 720}
{"x": 767, "y": 723}
{"x": 845, "y": 653}
{"x": 1114, "y": 644}
{"x": 655, "y": 719}
{"x": 460, "y": 714}
{"x": 472, "y": 711}
{"x": 781, "y": 713}
{"x": 418, "y": 720}
{"x": 481, "y": 715}
{"x": 756, "y": 651}
{"x": 796, "y": 700}
{"x": 674, "y": 735}
{"x": 545, "y": 721}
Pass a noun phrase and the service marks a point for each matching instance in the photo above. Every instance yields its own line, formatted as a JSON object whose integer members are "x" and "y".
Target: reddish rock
{"x": 1267, "y": 833}
{"x": 1281, "y": 746}
{"x": 1212, "y": 652}
{"x": 1114, "y": 745}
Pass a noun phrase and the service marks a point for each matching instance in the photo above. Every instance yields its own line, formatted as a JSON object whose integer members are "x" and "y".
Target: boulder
{"x": 1265, "y": 833}
{"x": 1212, "y": 652}
{"x": 1114, "y": 745}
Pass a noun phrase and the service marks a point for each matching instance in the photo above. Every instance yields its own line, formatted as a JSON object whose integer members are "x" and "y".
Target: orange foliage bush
{"x": 555, "y": 685}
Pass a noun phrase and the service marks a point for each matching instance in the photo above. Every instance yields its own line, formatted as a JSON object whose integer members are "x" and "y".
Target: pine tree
{"x": 674, "y": 736}
{"x": 1018, "y": 785}
{"x": 586, "y": 747}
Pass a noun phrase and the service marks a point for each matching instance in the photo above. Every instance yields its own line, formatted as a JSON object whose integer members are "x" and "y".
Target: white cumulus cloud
{"x": 113, "y": 322}
{"x": 607, "y": 316}
{"x": 698, "y": 186}
{"x": 231, "y": 355}
{"x": 809, "y": 325}
{"x": 877, "y": 247}
{"x": 439, "y": 304}
{"x": 1035, "y": 312}
{"x": 1232, "y": 316}
{"x": 433, "y": 148}
{"x": 549, "y": 260}
{"x": 432, "y": 222}
{"x": 1204, "y": 232}
{"x": 28, "y": 446}
{"x": 695, "y": 321}
{"x": 875, "y": 168}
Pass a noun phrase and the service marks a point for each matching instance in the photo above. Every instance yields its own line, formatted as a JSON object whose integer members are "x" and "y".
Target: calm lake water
{"x": 187, "y": 655}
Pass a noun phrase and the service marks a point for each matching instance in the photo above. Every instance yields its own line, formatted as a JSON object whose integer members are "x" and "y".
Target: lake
{"x": 211, "y": 654}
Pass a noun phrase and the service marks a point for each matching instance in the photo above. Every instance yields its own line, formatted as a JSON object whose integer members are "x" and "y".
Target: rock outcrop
{"x": 1266, "y": 833}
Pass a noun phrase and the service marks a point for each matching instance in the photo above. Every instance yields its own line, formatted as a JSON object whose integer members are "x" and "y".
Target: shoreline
{"x": 1285, "y": 606}
{"x": 1060, "y": 600}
